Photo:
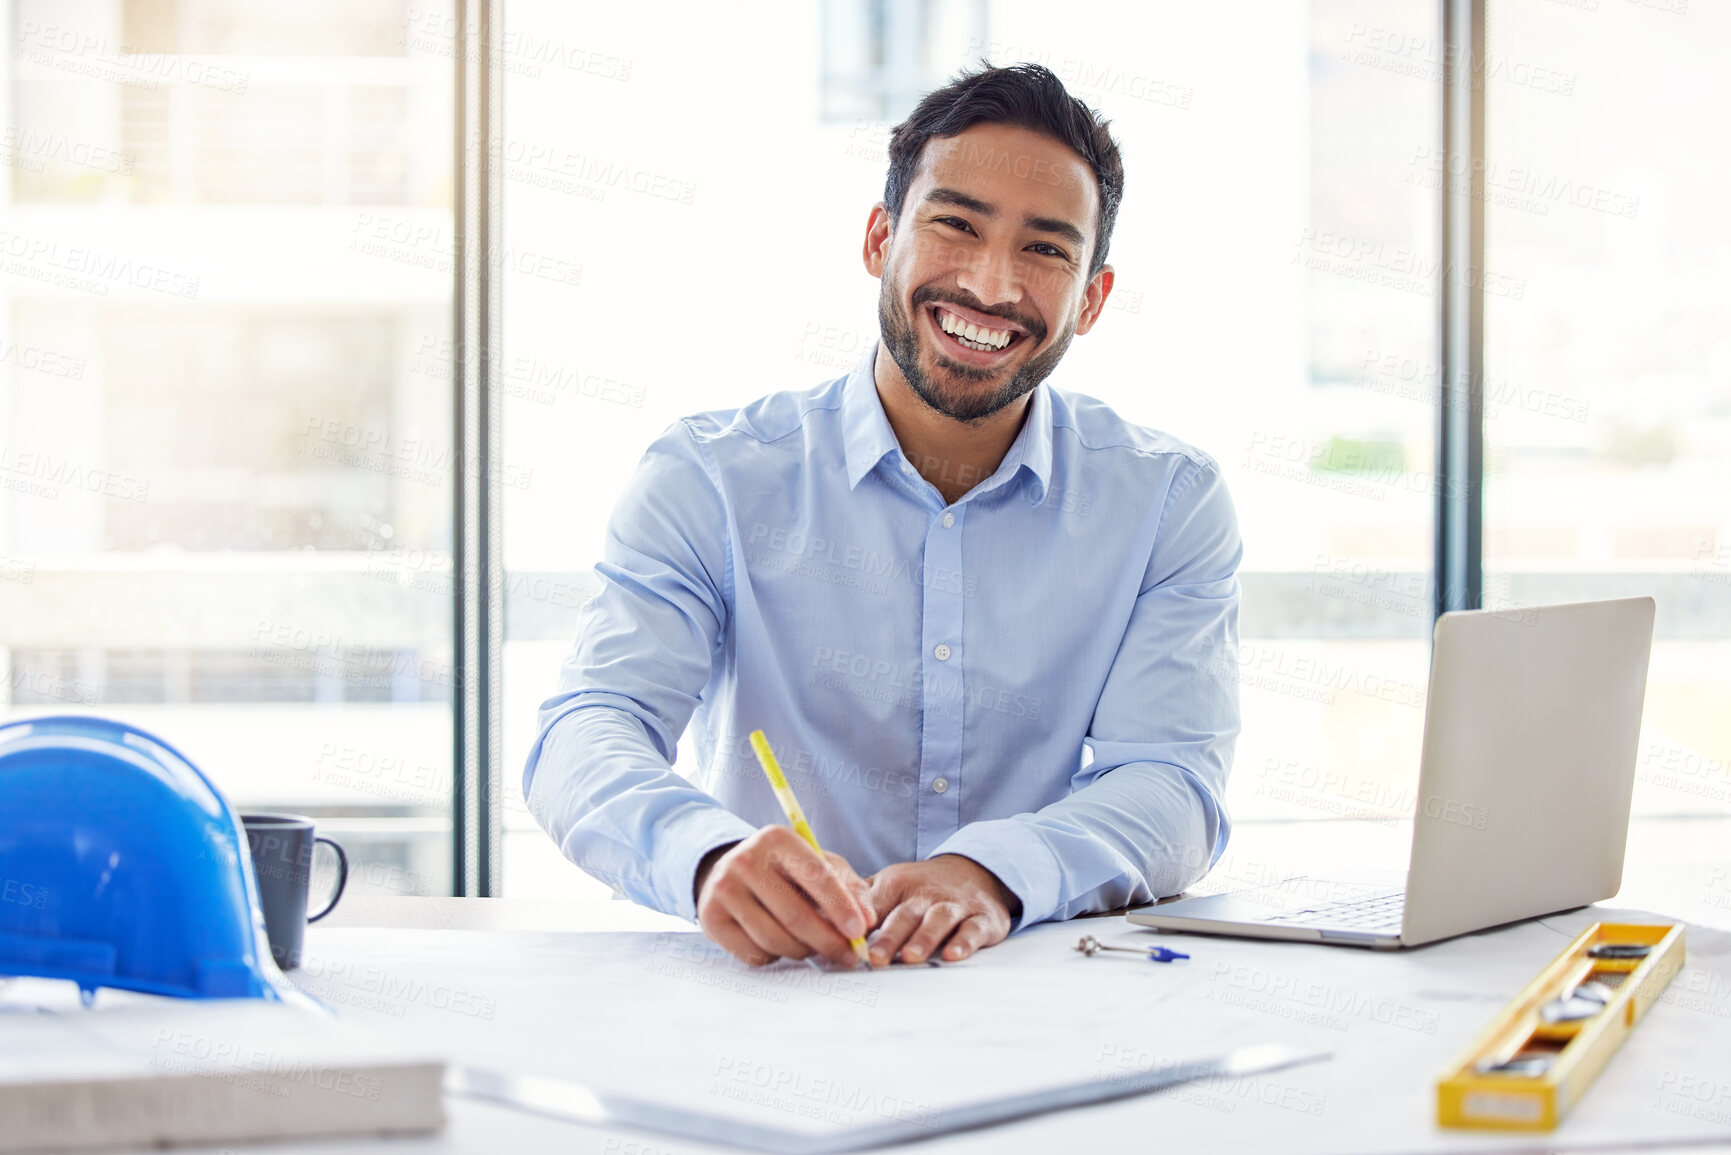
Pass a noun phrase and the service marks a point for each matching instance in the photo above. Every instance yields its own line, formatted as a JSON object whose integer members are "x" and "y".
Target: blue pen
{"x": 1089, "y": 945}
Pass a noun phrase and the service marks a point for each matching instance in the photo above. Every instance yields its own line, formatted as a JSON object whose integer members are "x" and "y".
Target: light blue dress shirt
{"x": 1041, "y": 677}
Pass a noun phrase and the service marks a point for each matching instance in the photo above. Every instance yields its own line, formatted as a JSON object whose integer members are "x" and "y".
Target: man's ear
{"x": 877, "y": 240}
{"x": 1094, "y": 298}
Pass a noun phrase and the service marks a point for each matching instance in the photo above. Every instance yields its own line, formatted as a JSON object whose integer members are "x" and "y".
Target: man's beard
{"x": 902, "y": 341}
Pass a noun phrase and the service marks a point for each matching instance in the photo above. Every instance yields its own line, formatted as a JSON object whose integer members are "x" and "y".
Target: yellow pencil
{"x": 795, "y": 816}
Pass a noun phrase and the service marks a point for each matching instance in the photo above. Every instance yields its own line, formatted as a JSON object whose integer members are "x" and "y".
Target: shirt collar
{"x": 1034, "y": 442}
{"x": 869, "y": 438}
{"x": 866, "y": 430}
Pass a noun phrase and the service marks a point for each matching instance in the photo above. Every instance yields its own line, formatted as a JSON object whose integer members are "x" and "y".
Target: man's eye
{"x": 1049, "y": 250}
{"x": 956, "y": 223}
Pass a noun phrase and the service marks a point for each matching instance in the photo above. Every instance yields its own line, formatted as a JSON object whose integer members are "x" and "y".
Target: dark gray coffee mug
{"x": 282, "y": 861}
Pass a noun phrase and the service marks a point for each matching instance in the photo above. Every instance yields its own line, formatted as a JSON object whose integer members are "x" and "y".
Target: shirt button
{"x": 941, "y": 652}
{"x": 906, "y": 468}
{"x": 949, "y": 520}
{"x": 940, "y": 785}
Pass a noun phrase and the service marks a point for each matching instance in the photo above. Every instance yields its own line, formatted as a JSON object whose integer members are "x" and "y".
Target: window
{"x": 1608, "y": 375}
{"x": 223, "y": 418}
{"x": 880, "y": 56}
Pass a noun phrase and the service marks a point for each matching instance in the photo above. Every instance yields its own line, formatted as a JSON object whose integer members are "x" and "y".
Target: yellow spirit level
{"x": 1540, "y": 1054}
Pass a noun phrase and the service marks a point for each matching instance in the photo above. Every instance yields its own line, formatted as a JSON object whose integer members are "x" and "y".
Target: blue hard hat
{"x": 122, "y": 866}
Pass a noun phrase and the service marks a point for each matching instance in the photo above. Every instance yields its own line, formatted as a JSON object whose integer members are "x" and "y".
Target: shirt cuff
{"x": 682, "y": 841}
{"x": 1020, "y": 858}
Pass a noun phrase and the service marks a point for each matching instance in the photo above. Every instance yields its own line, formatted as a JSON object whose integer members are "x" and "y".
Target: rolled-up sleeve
{"x": 1145, "y": 817}
{"x": 599, "y": 775}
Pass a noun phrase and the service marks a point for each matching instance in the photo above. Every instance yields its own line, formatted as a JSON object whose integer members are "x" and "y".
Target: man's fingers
{"x": 856, "y": 886}
{"x": 888, "y": 888}
{"x": 843, "y": 869}
{"x": 934, "y": 928}
{"x": 807, "y": 870}
{"x": 786, "y": 899}
{"x": 897, "y": 926}
{"x": 948, "y": 904}
{"x": 968, "y": 938}
{"x": 793, "y": 911}
{"x": 765, "y": 929}
{"x": 731, "y": 937}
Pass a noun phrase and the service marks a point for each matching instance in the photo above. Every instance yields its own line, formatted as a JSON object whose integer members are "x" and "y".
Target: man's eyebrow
{"x": 1064, "y": 229}
{"x": 950, "y": 196}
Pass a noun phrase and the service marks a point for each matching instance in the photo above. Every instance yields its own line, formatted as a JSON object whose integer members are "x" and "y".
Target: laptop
{"x": 1530, "y": 734}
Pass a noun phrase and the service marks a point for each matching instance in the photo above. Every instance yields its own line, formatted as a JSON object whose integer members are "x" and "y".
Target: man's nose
{"x": 992, "y": 277}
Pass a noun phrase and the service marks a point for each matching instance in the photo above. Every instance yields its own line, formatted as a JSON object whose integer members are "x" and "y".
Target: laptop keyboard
{"x": 1374, "y": 914}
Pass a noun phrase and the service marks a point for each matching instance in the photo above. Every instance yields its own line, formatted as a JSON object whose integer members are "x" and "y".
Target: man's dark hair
{"x": 1027, "y": 96}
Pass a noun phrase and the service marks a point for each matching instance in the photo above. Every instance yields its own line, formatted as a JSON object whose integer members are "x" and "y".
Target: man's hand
{"x": 947, "y": 897}
{"x": 772, "y": 896}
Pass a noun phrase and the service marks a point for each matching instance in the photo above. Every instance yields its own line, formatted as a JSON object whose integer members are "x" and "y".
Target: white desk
{"x": 560, "y": 988}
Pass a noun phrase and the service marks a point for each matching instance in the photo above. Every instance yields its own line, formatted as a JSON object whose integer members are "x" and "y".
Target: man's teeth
{"x": 973, "y": 336}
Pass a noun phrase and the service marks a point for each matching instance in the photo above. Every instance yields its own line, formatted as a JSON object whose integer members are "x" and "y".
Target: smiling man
{"x": 989, "y": 626}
